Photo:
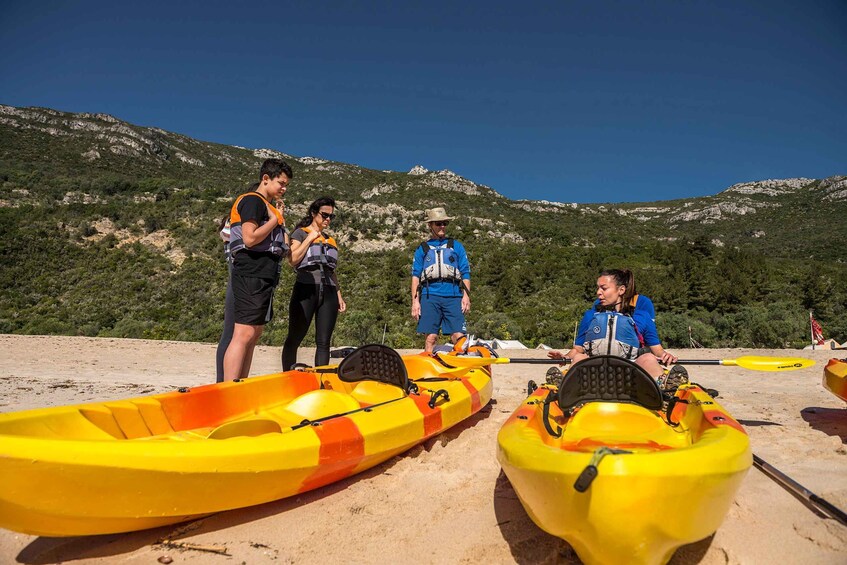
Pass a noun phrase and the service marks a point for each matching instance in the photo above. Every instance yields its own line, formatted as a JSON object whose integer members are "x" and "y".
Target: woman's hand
{"x": 557, "y": 355}
{"x": 342, "y": 306}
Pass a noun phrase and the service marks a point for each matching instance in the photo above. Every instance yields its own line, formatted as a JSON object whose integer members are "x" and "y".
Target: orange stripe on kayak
{"x": 718, "y": 418}
{"x": 212, "y": 404}
{"x": 475, "y": 403}
{"x": 342, "y": 449}
{"x": 432, "y": 416}
{"x": 589, "y": 445}
{"x": 528, "y": 410}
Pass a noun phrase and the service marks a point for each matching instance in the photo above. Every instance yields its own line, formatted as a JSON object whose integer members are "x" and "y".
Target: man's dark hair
{"x": 274, "y": 167}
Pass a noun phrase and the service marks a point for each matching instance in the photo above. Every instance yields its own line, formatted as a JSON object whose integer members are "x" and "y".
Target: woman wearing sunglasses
{"x": 314, "y": 256}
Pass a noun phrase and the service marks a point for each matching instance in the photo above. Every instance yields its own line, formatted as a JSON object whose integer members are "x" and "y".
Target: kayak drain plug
{"x": 584, "y": 480}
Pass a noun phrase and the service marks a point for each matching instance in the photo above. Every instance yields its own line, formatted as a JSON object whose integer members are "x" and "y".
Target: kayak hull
{"x": 835, "y": 378}
{"x": 150, "y": 461}
{"x": 674, "y": 486}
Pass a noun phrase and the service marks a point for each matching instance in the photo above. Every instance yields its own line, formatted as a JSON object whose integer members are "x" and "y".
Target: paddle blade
{"x": 470, "y": 362}
{"x": 757, "y": 363}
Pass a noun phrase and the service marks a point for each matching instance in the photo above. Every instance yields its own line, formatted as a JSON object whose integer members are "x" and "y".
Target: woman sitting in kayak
{"x": 620, "y": 323}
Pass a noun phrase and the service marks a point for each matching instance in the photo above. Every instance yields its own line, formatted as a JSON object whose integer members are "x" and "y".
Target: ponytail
{"x": 623, "y": 277}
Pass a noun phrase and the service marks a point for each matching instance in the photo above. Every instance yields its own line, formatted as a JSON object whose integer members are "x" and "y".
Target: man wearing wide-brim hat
{"x": 441, "y": 282}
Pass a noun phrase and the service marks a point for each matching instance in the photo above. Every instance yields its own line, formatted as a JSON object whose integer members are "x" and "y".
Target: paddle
{"x": 752, "y": 362}
{"x": 812, "y": 500}
{"x": 755, "y": 363}
{"x": 454, "y": 370}
{"x": 459, "y": 361}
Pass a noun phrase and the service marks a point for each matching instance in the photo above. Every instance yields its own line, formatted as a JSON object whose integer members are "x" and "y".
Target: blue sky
{"x": 589, "y": 101}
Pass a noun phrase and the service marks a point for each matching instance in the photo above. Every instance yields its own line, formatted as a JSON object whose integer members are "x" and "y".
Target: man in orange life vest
{"x": 258, "y": 242}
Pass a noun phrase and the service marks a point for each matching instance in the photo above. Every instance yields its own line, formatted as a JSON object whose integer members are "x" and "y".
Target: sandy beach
{"x": 445, "y": 501}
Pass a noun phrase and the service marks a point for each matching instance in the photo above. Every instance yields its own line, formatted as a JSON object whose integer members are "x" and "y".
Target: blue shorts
{"x": 441, "y": 312}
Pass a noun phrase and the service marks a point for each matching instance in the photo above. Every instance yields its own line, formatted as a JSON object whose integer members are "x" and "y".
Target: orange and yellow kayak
{"x": 149, "y": 461}
{"x": 835, "y": 378}
{"x": 602, "y": 464}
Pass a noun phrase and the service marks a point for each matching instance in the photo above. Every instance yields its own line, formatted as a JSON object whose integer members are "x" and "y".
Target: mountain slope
{"x": 113, "y": 231}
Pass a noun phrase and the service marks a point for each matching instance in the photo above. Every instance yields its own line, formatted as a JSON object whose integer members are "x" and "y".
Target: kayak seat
{"x": 311, "y": 406}
{"x": 369, "y": 393}
{"x": 249, "y": 427}
{"x": 317, "y": 404}
{"x": 606, "y": 378}
{"x": 374, "y": 362}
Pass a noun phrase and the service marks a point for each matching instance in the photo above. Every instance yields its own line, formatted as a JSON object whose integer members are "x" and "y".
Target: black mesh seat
{"x": 606, "y": 378}
{"x": 374, "y": 362}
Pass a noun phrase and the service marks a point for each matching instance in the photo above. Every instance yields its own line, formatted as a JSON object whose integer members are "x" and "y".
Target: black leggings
{"x": 229, "y": 327}
{"x": 305, "y": 304}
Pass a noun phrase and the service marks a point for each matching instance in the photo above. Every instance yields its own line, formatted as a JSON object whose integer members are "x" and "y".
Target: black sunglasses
{"x": 440, "y": 224}
{"x": 327, "y": 216}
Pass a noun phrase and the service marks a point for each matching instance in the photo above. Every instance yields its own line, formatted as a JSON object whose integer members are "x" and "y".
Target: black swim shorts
{"x": 253, "y": 299}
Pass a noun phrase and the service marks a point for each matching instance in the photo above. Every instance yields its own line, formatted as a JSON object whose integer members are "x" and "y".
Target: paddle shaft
{"x": 564, "y": 361}
{"x": 751, "y": 362}
{"x": 799, "y": 490}
{"x": 679, "y": 362}
{"x": 567, "y": 360}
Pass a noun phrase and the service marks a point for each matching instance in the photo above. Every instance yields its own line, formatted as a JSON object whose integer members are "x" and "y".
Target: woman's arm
{"x": 575, "y": 350}
{"x": 299, "y": 248}
{"x": 342, "y": 306}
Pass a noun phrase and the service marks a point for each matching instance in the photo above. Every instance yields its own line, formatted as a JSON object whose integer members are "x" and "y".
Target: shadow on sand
{"x": 531, "y": 545}
{"x": 757, "y": 423}
{"x": 831, "y": 421}
{"x": 528, "y": 543}
{"x": 47, "y": 550}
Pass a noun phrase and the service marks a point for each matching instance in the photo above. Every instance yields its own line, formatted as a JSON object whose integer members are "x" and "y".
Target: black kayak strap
{"x": 551, "y": 397}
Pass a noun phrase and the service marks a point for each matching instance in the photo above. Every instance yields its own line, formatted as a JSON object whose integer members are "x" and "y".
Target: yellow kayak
{"x": 835, "y": 378}
{"x": 149, "y": 461}
{"x": 598, "y": 462}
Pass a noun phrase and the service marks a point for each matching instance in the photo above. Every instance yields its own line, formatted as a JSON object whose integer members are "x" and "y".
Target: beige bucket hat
{"x": 437, "y": 215}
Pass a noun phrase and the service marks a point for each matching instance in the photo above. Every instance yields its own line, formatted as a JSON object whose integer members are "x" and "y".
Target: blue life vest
{"x": 612, "y": 333}
{"x": 440, "y": 264}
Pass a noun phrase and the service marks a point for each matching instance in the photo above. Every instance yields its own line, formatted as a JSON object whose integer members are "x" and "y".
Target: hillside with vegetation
{"x": 110, "y": 229}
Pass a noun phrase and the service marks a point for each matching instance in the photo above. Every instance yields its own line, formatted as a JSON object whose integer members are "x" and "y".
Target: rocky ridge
{"x": 383, "y": 209}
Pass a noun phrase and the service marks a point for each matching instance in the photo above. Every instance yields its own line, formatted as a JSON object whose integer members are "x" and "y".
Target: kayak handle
{"x": 438, "y": 394}
{"x": 584, "y": 480}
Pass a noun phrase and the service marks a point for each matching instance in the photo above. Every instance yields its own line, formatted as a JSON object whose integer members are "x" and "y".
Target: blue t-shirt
{"x": 442, "y": 288}
{"x": 644, "y": 317}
